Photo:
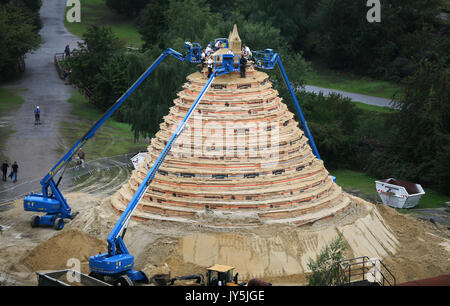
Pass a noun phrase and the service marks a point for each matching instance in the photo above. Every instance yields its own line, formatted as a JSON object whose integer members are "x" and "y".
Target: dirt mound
{"x": 422, "y": 249}
{"x": 54, "y": 253}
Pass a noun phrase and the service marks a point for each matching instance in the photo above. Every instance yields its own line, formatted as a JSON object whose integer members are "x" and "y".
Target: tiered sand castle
{"x": 242, "y": 157}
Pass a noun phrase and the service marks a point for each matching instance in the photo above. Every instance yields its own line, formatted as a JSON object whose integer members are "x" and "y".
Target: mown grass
{"x": 373, "y": 108}
{"x": 358, "y": 182}
{"x": 96, "y": 12}
{"x": 113, "y": 138}
{"x": 10, "y": 100}
{"x": 346, "y": 81}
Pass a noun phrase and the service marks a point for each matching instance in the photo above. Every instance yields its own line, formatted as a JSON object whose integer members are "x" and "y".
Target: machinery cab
{"x": 221, "y": 275}
{"x": 264, "y": 59}
{"x": 193, "y": 52}
{"x": 219, "y": 43}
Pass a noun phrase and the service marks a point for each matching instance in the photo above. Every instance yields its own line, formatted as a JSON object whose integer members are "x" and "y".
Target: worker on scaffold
{"x": 210, "y": 66}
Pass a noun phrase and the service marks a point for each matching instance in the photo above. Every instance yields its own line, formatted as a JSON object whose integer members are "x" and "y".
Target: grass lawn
{"x": 346, "y": 81}
{"x": 113, "y": 138}
{"x": 359, "y": 182}
{"x": 10, "y": 100}
{"x": 373, "y": 108}
{"x": 96, "y": 12}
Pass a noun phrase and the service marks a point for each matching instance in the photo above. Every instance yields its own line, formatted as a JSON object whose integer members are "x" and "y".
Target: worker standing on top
{"x": 246, "y": 51}
{"x": 210, "y": 67}
{"x": 242, "y": 64}
{"x": 218, "y": 45}
{"x": 208, "y": 50}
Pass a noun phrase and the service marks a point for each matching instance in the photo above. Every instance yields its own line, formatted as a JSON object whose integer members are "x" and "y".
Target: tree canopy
{"x": 18, "y": 34}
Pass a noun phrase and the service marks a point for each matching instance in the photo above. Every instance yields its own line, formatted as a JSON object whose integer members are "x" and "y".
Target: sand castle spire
{"x": 234, "y": 41}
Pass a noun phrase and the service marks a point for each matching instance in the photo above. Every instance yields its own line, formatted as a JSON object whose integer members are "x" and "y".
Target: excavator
{"x": 216, "y": 275}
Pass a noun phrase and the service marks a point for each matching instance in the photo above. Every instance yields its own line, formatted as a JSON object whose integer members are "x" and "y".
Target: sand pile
{"x": 423, "y": 247}
{"x": 54, "y": 253}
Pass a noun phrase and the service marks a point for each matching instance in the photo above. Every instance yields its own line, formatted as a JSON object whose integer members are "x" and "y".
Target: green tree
{"x": 111, "y": 81}
{"x": 19, "y": 35}
{"x": 98, "y": 47}
{"x": 346, "y": 40}
{"x": 420, "y": 131}
{"x": 152, "y": 22}
{"x": 334, "y": 122}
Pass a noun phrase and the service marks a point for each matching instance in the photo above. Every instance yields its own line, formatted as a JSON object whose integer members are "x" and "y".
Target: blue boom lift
{"x": 51, "y": 201}
{"x": 117, "y": 264}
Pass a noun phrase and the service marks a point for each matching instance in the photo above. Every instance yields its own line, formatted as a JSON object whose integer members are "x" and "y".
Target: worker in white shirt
{"x": 208, "y": 50}
{"x": 246, "y": 51}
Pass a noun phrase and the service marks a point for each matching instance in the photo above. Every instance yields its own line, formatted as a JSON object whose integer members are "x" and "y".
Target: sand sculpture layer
{"x": 242, "y": 157}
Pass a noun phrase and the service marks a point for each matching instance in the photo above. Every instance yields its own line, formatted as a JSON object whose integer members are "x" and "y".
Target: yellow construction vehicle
{"x": 221, "y": 275}
{"x": 216, "y": 275}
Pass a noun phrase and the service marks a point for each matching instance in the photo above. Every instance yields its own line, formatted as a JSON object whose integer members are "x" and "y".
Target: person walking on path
{"x": 67, "y": 51}
{"x": 5, "y": 169}
{"x": 37, "y": 116}
{"x": 15, "y": 169}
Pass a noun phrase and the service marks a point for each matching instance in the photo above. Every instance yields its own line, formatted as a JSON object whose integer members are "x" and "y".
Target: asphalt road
{"x": 353, "y": 96}
{"x": 34, "y": 147}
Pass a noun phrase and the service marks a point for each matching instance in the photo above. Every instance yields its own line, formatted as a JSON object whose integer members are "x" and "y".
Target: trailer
{"x": 399, "y": 194}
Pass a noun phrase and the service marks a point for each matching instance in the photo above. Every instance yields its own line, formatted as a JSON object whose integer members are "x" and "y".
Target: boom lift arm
{"x": 52, "y": 201}
{"x": 118, "y": 262}
{"x": 267, "y": 59}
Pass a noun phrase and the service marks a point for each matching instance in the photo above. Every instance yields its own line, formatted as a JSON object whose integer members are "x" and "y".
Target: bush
{"x": 324, "y": 272}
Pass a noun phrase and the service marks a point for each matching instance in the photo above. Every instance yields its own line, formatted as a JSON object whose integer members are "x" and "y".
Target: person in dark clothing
{"x": 67, "y": 50}
{"x": 243, "y": 63}
{"x": 15, "y": 169}
{"x": 37, "y": 116}
{"x": 80, "y": 157}
{"x": 5, "y": 169}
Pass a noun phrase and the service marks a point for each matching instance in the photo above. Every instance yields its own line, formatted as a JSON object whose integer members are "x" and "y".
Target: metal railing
{"x": 60, "y": 57}
{"x": 360, "y": 269}
{"x": 71, "y": 176}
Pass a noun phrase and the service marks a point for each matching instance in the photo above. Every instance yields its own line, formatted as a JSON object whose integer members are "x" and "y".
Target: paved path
{"x": 353, "y": 96}
{"x": 34, "y": 147}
